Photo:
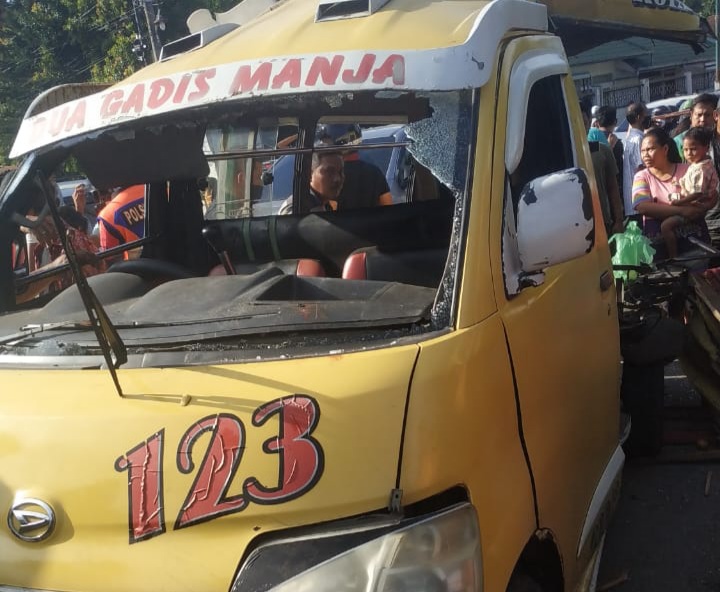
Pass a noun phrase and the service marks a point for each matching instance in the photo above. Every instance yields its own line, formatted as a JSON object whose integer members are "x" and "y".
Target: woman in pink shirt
{"x": 660, "y": 178}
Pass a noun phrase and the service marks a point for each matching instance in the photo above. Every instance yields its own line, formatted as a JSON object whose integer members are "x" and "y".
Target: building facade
{"x": 621, "y": 72}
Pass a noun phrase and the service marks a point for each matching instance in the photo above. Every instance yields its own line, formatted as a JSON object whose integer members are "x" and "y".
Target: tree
{"x": 44, "y": 43}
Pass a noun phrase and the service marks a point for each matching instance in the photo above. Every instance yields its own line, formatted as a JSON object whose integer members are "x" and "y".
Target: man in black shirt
{"x": 365, "y": 184}
{"x": 326, "y": 181}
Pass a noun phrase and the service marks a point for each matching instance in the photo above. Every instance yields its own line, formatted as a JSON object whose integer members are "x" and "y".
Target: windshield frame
{"x": 445, "y": 303}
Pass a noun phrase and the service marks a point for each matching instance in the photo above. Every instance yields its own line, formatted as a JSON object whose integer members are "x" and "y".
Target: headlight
{"x": 440, "y": 553}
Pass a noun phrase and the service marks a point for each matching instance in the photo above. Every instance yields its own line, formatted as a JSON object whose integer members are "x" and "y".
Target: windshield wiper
{"x": 109, "y": 339}
{"x": 35, "y": 329}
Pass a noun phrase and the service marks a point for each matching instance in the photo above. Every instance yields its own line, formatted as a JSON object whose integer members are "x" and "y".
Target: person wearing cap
{"x": 594, "y": 134}
{"x": 365, "y": 184}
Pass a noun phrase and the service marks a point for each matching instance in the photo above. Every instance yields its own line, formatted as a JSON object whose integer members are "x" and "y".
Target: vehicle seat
{"x": 300, "y": 267}
{"x": 420, "y": 267}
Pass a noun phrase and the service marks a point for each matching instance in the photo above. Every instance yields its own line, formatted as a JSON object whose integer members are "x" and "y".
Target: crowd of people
{"x": 339, "y": 180}
{"x": 113, "y": 218}
{"x": 664, "y": 175}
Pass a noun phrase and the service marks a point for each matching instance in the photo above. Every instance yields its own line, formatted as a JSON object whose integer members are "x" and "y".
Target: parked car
{"x": 673, "y": 102}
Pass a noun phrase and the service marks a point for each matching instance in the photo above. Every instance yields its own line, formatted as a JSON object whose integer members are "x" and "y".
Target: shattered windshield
{"x": 239, "y": 224}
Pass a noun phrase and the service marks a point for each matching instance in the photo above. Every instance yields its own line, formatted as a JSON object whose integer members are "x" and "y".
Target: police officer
{"x": 122, "y": 220}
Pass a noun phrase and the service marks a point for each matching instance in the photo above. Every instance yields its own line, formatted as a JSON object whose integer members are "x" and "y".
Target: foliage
{"x": 703, "y": 7}
{"x": 44, "y": 43}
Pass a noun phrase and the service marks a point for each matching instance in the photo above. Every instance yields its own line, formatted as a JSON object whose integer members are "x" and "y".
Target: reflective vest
{"x": 122, "y": 220}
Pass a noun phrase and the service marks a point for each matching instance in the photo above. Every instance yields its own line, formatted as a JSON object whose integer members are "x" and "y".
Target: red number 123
{"x": 300, "y": 459}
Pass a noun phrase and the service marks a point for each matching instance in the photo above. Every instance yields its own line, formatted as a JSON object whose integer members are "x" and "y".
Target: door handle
{"x": 606, "y": 280}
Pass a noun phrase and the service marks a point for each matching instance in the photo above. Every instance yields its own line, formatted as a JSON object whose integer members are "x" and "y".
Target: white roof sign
{"x": 462, "y": 66}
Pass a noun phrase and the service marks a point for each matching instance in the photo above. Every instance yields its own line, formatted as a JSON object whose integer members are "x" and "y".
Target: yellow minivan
{"x": 419, "y": 396}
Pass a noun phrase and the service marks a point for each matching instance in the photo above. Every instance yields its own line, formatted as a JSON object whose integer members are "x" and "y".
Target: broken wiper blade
{"x": 109, "y": 339}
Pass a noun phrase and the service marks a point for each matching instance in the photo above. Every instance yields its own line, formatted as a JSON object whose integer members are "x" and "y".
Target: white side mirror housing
{"x": 555, "y": 220}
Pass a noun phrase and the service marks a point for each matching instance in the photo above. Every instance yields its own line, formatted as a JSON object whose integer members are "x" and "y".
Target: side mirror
{"x": 555, "y": 220}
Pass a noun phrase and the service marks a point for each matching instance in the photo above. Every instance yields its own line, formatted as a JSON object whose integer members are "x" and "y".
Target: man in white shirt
{"x": 636, "y": 115}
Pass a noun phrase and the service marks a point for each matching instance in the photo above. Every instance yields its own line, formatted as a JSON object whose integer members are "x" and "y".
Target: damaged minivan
{"x": 249, "y": 395}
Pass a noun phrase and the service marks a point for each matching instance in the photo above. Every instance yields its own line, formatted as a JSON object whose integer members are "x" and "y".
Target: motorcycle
{"x": 651, "y": 312}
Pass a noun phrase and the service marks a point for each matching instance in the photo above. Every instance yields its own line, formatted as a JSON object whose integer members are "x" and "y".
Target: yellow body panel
{"x": 290, "y": 29}
{"x": 477, "y": 297}
{"x": 564, "y": 341}
{"x": 62, "y": 432}
{"x": 462, "y": 429}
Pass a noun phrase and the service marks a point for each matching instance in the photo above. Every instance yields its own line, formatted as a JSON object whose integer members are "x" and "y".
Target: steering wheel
{"x": 21, "y": 220}
{"x": 35, "y": 184}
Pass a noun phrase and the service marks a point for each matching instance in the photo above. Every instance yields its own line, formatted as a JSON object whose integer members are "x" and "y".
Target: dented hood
{"x": 587, "y": 23}
{"x": 166, "y": 488}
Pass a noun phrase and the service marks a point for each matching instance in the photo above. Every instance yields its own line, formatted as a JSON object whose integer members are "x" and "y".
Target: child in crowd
{"x": 698, "y": 187}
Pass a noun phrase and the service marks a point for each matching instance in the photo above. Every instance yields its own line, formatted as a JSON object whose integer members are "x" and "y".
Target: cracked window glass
{"x": 450, "y": 119}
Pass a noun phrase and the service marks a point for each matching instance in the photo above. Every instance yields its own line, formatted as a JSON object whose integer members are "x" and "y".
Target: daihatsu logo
{"x": 31, "y": 520}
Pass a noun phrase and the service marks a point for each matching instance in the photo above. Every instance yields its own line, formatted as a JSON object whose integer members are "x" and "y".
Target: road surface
{"x": 665, "y": 535}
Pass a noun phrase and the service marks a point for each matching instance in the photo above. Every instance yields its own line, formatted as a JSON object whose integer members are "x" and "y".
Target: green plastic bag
{"x": 632, "y": 247}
